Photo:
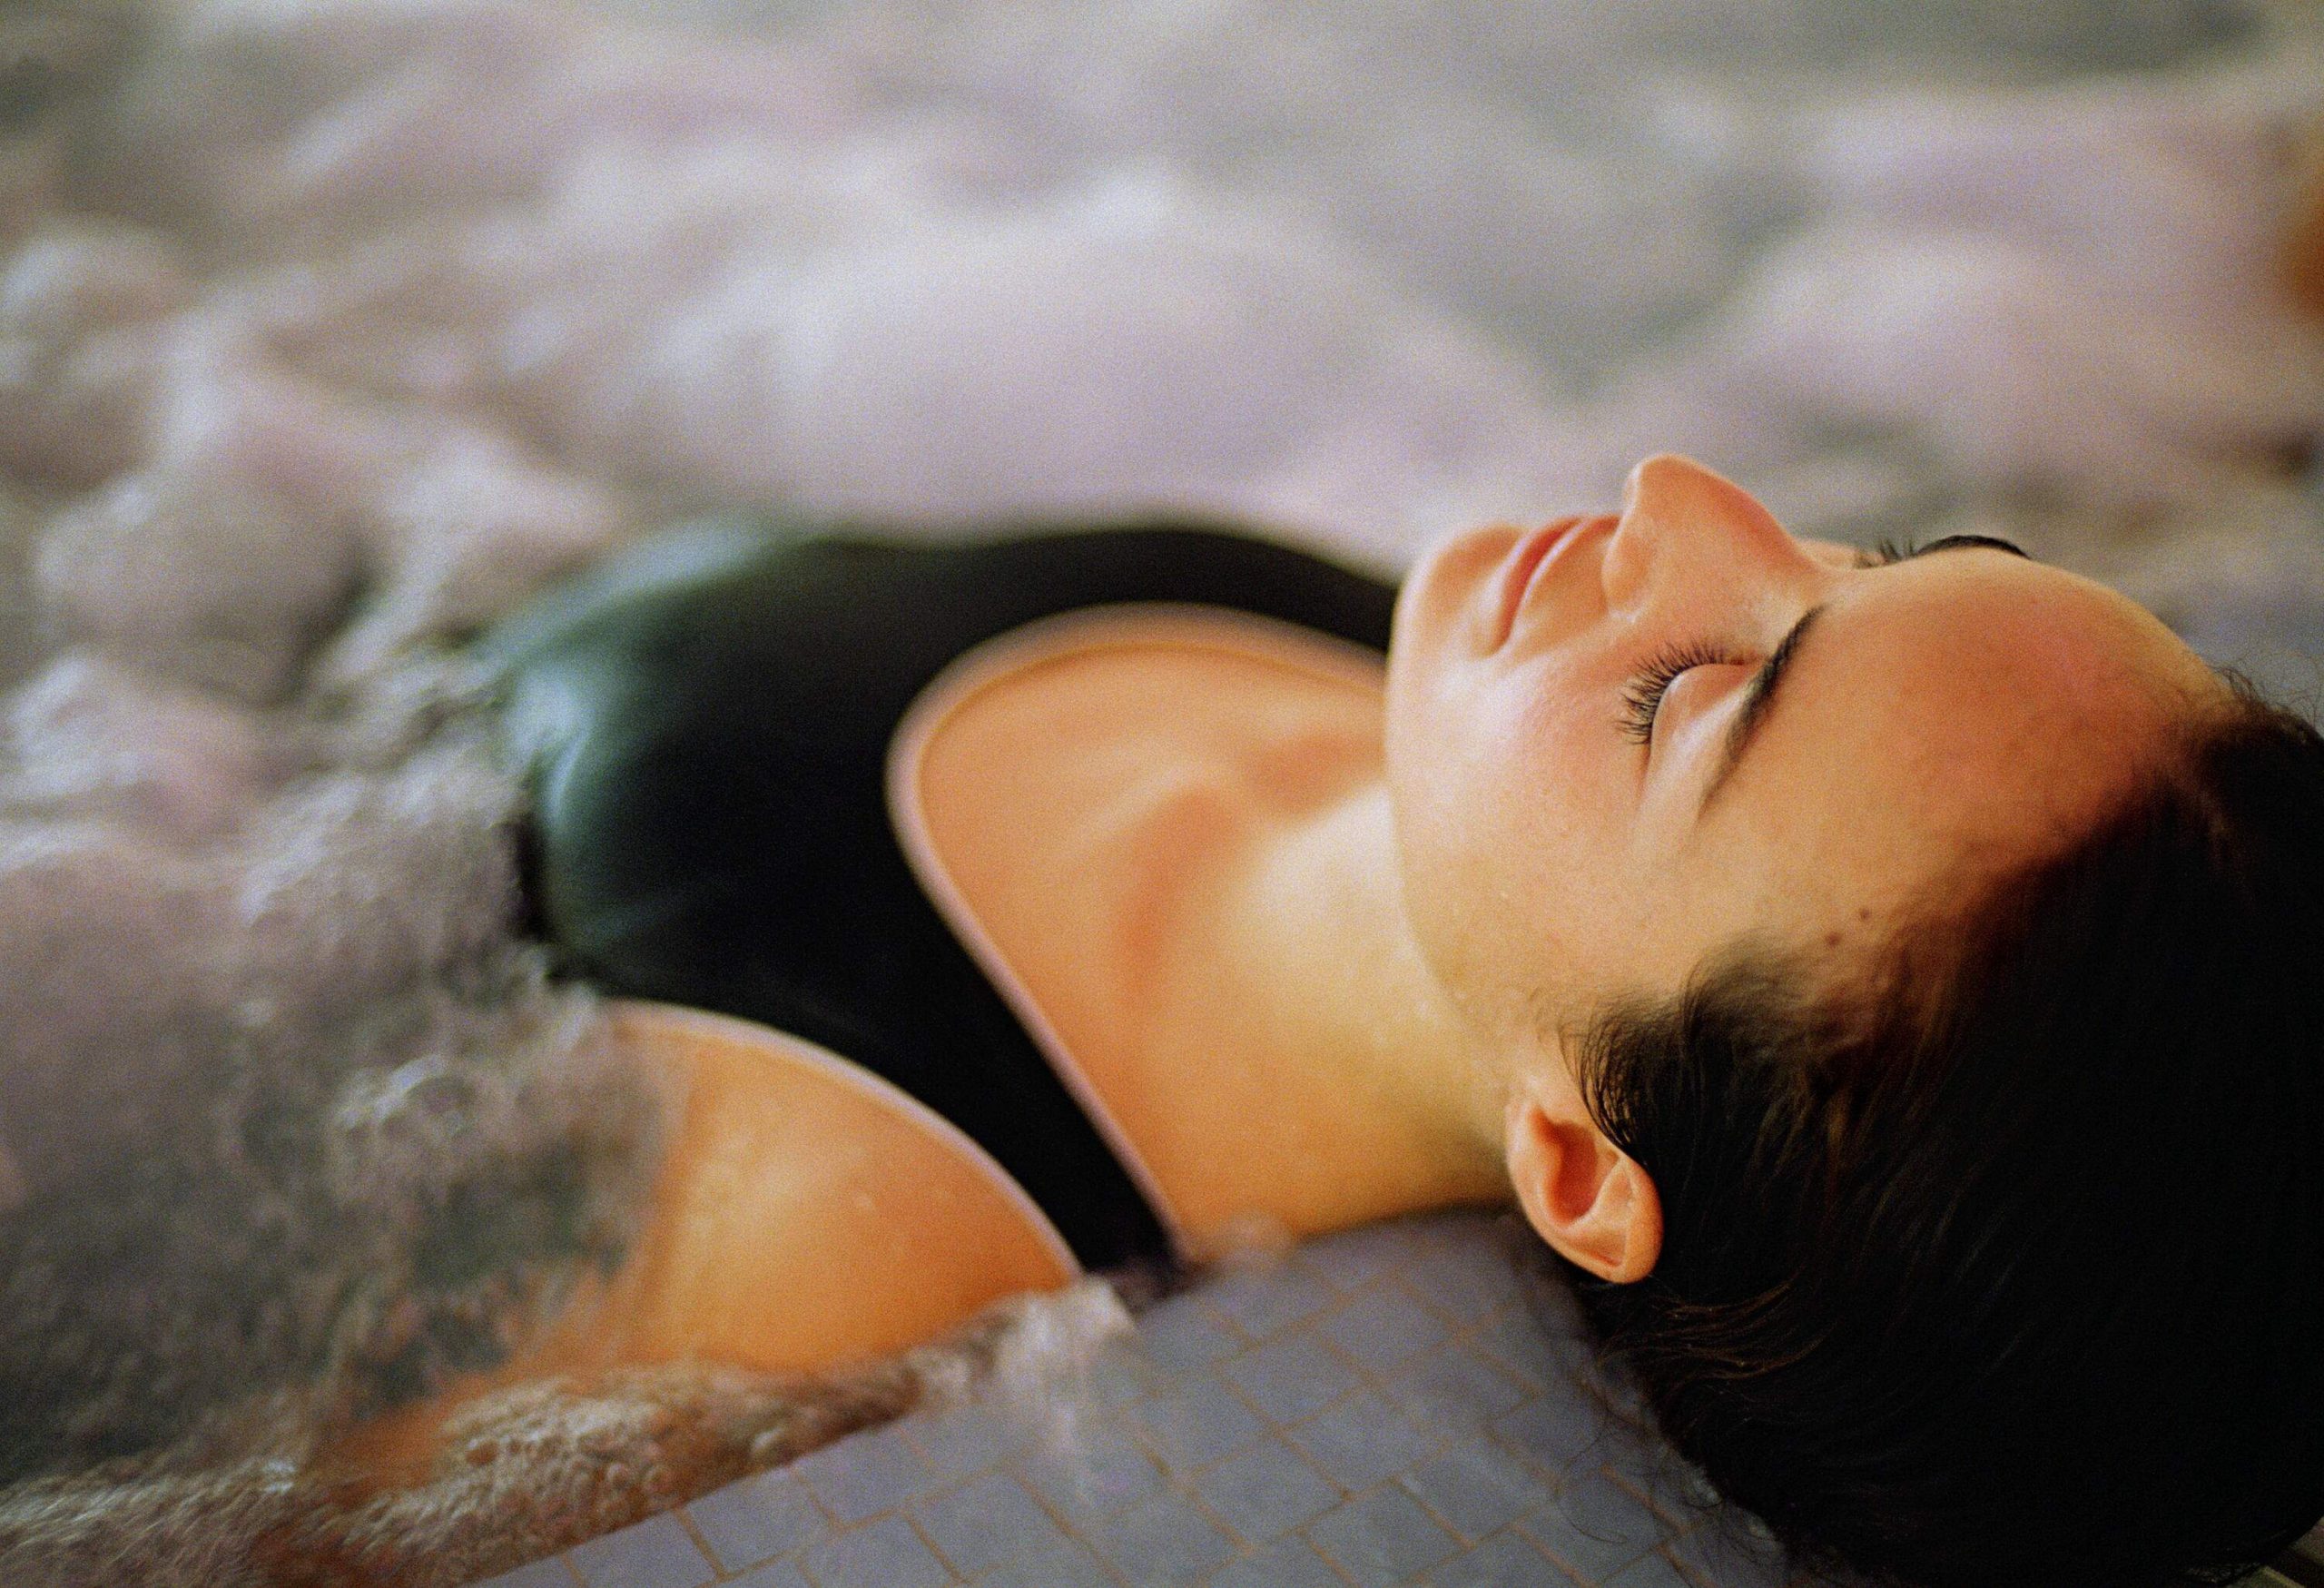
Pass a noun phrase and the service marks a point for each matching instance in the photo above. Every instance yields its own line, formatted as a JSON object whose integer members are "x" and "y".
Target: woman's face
{"x": 1618, "y": 745}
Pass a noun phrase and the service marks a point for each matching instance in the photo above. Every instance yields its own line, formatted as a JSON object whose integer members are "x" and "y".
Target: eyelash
{"x": 1642, "y": 698}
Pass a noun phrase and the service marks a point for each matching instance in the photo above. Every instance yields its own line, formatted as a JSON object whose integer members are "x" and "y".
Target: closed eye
{"x": 1642, "y": 696}
{"x": 1759, "y": 693}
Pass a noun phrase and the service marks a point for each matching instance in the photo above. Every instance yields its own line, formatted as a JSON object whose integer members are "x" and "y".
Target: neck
{"x": 1323, "y": 988}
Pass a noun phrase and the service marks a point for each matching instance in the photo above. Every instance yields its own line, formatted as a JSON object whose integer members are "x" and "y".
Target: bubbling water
{"x": 526, "y": 1470}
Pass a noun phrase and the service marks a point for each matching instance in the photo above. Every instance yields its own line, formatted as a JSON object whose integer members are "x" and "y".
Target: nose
{"x": 1684, "y": 529}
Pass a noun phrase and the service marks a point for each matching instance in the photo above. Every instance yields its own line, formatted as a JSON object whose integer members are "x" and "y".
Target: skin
{"x": 1962, "y": 709}
{"x": 1398, "y": 968}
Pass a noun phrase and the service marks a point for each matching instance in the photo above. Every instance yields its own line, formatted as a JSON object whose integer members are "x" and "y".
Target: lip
{"x": 1524, "y": 564}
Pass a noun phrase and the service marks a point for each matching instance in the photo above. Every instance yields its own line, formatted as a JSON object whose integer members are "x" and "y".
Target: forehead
{"x": 1961, "y": 706}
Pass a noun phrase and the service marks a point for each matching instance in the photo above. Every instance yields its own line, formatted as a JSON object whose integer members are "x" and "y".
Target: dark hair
{"x": 2009, "y": 1269}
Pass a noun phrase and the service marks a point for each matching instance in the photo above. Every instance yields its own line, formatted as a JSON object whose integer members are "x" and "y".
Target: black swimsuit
{"x": 706, "y": 727}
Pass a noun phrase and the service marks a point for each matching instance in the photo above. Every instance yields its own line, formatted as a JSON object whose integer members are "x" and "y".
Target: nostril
{"x": 1627, "y": 563}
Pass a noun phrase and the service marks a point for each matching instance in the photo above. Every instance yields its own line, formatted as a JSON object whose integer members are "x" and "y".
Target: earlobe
{"x": 1592, "y": 1203}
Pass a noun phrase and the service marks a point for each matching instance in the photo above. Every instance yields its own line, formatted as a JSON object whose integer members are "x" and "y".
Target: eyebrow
{"x": 1758, "y": 699}
{"x": 1759, "y": 693}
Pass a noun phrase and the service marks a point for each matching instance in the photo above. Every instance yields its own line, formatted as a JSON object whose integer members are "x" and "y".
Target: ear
{"x": 1579, "y": 1191}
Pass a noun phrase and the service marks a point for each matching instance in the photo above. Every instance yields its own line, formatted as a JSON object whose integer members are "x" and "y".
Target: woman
{"x": 1887, "y": 980}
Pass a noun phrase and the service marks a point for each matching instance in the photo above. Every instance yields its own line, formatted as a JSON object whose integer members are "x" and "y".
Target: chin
{"x": 1438, "y": 606}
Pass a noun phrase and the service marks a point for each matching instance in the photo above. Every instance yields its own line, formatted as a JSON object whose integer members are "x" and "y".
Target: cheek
{"x": 1507, "y": 851}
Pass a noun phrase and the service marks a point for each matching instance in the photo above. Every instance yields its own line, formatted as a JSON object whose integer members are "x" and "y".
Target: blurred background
{"x": 332, "y": 330}
{"x": 1364, "y": 271}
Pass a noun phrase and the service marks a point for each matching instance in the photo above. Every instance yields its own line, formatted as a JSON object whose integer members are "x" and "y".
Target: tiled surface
{"x": 1400, "y": 1405}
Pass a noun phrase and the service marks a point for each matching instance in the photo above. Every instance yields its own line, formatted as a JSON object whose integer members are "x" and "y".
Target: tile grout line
{"x": 1064, "y": 1524}
{"x": 1441, "y": 1374}
{"x": 718, "y": 1573}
